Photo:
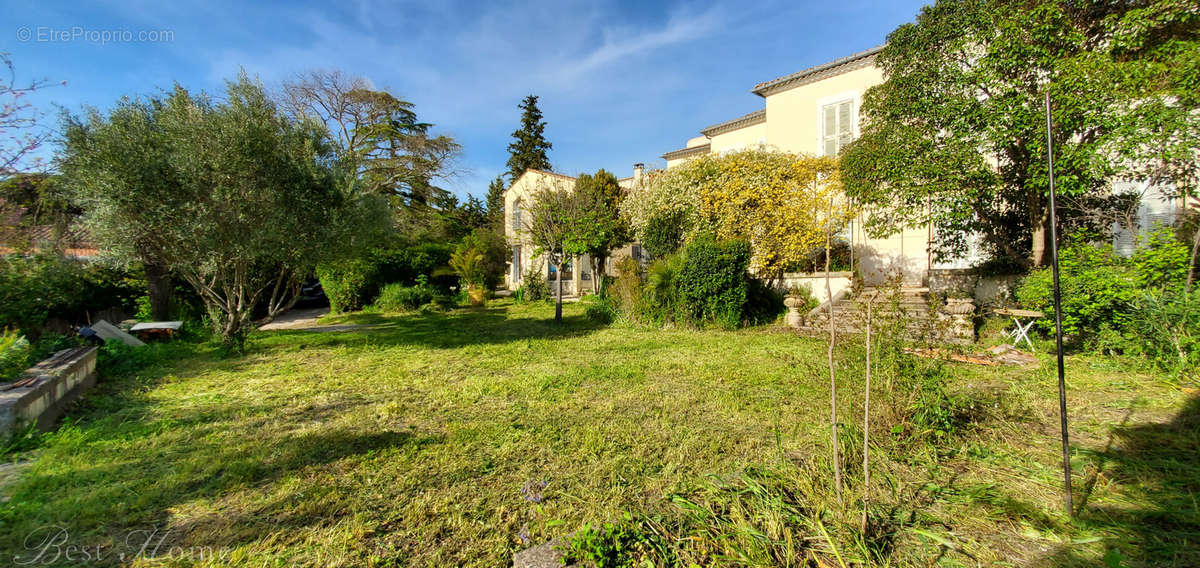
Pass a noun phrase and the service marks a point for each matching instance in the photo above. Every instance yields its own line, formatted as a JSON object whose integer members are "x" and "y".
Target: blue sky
{"x": 620, "y": 82}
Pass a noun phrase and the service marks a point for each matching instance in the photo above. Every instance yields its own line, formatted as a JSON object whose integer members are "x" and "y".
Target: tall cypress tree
{"x": 529, "y": 146}
{"x": 495, "y": 200}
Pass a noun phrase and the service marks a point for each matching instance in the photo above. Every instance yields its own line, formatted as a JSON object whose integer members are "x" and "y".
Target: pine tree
{"x": 495, "y": 200}
{"x": 529, "y": 146}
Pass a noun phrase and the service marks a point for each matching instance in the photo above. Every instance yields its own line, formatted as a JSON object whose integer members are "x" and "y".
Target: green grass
{"x": 457, "y": 439}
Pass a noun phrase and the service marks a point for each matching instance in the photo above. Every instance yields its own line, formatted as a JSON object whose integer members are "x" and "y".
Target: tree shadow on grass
{"x": 480, "y": 326}
{"x": 142, "y": 464}
{"x": 1157, "y": 468}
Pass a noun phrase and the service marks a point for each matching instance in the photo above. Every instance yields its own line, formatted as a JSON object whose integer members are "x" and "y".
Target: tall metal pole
{"x": 1062, "y": 382}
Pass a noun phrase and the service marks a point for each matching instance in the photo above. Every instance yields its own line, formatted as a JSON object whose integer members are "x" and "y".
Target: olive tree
{"x": 235, "y": 197}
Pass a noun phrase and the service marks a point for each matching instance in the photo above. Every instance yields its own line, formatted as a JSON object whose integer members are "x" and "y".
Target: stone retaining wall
{"x": 988, "y": 291}
{"x": 56, "y": 382}
{"x": 839, "y": 282}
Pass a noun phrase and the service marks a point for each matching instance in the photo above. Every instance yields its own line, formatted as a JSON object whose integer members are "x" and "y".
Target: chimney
{"x": 638, "y": 170}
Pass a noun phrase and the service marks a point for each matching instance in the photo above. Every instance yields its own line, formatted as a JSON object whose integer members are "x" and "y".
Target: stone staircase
{"x": 909, "y": 305}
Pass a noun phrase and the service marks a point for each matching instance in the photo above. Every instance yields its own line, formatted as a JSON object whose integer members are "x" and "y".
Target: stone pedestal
{"x": 794, "y": 317}
{"x": 961, "y": 312}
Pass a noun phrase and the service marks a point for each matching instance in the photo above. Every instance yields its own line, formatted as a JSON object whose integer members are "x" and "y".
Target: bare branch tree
{"x": 19, "y": 136}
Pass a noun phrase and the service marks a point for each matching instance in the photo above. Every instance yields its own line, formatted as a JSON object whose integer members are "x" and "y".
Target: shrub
{"x": 533, "y": 286}
{"x": 664, "y": 233}
{"x": 1097, "y": 287}
{"x": 349, "y": 285}
{"x": 398, "y": 297}
{"x": 1161, "y": 261}
{"x": 600, "y": 310}
{"x": 15, "y": 354}
{"x": 626, "y": 289}
{"x": 34, "y": 288}
{"x": 468, "y": 264}
{"x": 1165, "y": 327}
{"x": 712, "y": 281}
{"x": 405, "y": 263}
{"x": 660, "y": 295}
{"x": 627, "y": 544}
{"x": 494, "y": 251}
{"x": 804, "y": 292}
{"x": 814, "y": 261}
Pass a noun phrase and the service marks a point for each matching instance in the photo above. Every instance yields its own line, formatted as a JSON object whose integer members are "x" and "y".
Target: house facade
{"x": 816, "y": 111}
{"x": 577, "y": 272}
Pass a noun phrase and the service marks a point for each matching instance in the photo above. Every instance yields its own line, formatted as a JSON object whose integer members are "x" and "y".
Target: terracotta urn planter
{"x": 477, "y": 296}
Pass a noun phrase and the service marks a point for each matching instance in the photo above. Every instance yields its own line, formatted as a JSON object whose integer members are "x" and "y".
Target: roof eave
{"x": 812, "y": 74}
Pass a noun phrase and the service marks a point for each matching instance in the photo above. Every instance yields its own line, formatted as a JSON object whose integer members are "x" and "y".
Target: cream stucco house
{"x": 577, "y": 274}
{"x": 815, "y": 111}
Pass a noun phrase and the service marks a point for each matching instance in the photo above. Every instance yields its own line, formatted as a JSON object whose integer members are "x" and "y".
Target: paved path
{"x": 296, "y": 319}
{"x": 306, "y": 320}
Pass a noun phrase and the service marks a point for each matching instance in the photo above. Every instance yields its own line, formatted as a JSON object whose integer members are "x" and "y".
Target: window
{"x": 516, "y": 215}
{"x": 568, "y": 274}
{"x": 516, "y": 263}
{"x": 837, "y": 126}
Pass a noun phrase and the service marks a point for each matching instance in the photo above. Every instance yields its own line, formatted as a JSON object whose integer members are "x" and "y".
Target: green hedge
{"x": 349, "y": 285}
{"x": 712, "y": 281}
{"x": 35, "y": 288}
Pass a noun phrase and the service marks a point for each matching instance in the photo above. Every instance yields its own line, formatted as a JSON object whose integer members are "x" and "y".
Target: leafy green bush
{"x": 493, "y": 250}
{"x": 15, "y": 354}
{"x": 627, "y": 544}
{"x": 398, "y": 297}
{"x": 712, "y": 281}
{"x": 533, "y": 286}
{"x": 626, "y": 289}
{"x": 404, "y": 263}
{"x": 664, "y": 234}
{"x": 1098, "y": 288}
{"x": 1165, "y": 328}
{"x": 116, "y": 359}
{"x": 660, "y": 295}
{"x": 468, "y": 264}
{"x": 839, "y": 258}
{"x": 349, "y": 285}
{"x": 1114, "y": 304}
{"x": 1161, "y": 260}
{"x": 600, "y": 310}
{"x": 35, "y": 288}
{"x": 804, "y": 292}
{"x": 51, "y": 343}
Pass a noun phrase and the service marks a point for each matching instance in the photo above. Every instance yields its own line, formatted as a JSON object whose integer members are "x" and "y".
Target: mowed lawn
{"x": 457, "y": 439}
